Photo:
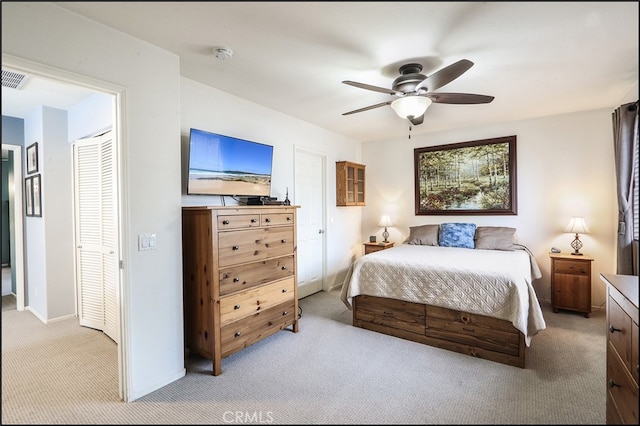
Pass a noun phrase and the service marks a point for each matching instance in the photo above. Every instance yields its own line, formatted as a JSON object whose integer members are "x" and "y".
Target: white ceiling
{"x": 536, "y": 58}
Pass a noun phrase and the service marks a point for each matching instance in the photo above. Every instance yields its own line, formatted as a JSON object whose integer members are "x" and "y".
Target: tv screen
{"x": 223, "y": 165}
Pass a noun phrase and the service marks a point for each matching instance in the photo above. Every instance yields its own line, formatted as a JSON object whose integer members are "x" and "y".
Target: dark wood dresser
{"x": 622, "y": 348}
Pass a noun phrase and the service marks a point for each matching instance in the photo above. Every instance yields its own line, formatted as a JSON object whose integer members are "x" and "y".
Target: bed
{"x": 476, "y": 301}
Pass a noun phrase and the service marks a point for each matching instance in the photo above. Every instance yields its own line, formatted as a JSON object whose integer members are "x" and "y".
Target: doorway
{"x": 14, "y": 273}
{"x": 117, "y": 94}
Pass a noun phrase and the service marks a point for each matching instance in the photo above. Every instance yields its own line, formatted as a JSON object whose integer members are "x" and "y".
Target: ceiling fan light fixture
{"x": 411, "y": 106}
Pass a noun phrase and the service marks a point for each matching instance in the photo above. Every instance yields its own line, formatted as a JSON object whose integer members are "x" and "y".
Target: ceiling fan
{"x": 415, "y": 91}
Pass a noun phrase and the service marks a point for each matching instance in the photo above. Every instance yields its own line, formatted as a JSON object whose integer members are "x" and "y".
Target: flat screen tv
{"x": 224, "y": 165}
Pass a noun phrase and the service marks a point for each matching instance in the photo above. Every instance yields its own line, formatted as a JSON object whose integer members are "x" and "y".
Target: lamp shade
{"x": 385, "y": 220}
{"x": 577, "y": 225}
{"x": 410, "y": 106}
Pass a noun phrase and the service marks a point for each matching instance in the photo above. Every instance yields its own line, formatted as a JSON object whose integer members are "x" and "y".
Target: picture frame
{"x": 32, "y": 158}
{"x": 28, "y": 196}
{"x": 37, "y": 195}
{"x": 467, "y": 178}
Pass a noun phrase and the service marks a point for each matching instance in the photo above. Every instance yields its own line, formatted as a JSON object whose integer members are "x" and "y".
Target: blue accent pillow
{"x": 457, "y": 235}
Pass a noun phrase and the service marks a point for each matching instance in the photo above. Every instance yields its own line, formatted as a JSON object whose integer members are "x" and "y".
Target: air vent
{"x": 13, "y": 79}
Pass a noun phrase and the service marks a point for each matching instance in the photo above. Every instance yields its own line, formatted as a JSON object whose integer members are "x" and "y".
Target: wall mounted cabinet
{"x": 350, "y": 184}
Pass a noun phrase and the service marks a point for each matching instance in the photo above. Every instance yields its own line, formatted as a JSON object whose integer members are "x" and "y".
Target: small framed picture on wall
{"x": 37, "y": 195}
{"x": 32, "y": 158}
{"x": 28, "y": 196}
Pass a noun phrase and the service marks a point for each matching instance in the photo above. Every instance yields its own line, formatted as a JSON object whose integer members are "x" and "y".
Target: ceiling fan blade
{"x": 445, "y": 76}
{"x": 417, "y": 120}
{"x": 369, "y": 87}
{"x": 367, "y": 108}
{"x": 458, "y": 98}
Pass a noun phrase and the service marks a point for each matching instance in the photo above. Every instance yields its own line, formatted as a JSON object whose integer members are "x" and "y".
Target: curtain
{"x": 625, "y": 139}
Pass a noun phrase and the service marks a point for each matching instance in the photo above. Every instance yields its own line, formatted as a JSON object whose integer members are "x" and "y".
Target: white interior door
{"x": 309, "y": 195}
{"x": 96, "y": 233}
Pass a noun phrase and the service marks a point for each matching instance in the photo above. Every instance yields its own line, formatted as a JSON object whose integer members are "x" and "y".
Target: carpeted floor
{"x": 328, "y": 373}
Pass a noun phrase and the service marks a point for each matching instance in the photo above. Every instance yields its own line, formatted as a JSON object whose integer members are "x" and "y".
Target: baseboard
{"x": 135, "y": 394}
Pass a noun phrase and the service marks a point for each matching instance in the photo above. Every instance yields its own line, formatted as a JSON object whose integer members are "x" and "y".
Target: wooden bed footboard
{"x": 471, "y": 334}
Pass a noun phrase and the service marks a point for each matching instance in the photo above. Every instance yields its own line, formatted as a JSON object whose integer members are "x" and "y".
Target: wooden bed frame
{"x": 471, "y": 334}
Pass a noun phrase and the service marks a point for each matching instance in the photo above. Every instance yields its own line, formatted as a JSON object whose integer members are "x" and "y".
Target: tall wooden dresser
{"x": 239, "y": 277}
{"x": 622, "y": 348}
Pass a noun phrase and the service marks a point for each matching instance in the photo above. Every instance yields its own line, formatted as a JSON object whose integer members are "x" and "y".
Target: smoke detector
{"x": 222, "y": 53}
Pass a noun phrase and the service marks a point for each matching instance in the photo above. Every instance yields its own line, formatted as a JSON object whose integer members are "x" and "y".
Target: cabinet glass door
{"x": 360, "y": 186}
{"x": 351, "y": 185}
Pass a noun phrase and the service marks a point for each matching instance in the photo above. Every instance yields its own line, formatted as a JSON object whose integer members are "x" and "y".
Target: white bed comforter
{"x": 494, "y": 283}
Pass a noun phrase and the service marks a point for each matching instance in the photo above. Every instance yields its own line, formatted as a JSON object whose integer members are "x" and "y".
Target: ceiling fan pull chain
{"x": 409, "y": 131}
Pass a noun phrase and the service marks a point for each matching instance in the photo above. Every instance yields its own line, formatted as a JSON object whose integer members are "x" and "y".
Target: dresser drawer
{"x": 250, "y": 245}
{"x": 238, "y": 221}
{"x": 246, "y": 331}
{"x": 238, "y": 278}
{"x": 571, "y": 267}
{"x": 249, "y": 302}
{"x": 277, "y": 219}
{"x": 619, "y": 331}
{"x": 475, "y": 330}
{"x": 622, "y": 388}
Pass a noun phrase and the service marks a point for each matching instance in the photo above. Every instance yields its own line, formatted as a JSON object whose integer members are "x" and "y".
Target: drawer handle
{"x": 237, "y": 334}
{"x": 235, "y": 248}
{"x": 236, "y": 279}
{"x": 285, "y": 313}
{"x": 284, "y": 268}
{"x": 612, "y": 329}
{"x": 284, "y": 241}
{"x": 471, "y": 330}
{"x": 253, "y": 221}
{"x": 225, "y": 222}
{"x": 267, "y": 220}
{"x": 284, "y": 290}
{"x": 288, "y": 218}
{"x": 613, "y": 384}
{"x": 236, "y": 307}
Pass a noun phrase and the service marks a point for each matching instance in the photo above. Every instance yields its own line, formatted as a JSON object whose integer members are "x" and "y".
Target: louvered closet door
{"x": 96, "y": 233}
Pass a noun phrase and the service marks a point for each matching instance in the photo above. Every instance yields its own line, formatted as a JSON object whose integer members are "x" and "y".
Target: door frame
{"x": 18, "y": 220}
{"x": 119, "y": 125}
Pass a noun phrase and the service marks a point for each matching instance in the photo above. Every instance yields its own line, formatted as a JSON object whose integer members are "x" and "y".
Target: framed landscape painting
{"x": 467, "y": 178}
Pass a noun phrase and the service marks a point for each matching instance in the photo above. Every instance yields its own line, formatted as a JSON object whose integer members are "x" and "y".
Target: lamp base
{"x": 576, "y": 245}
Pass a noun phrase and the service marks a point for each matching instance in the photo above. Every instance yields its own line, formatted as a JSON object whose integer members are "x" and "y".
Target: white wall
{"x": 49, "y": 252}
{"x": 565, "y": 168}
{"x": 34, "y": 228}
{"x": 92, "y": 116}
{"x": 57, "y": 214}
{"x": 212, "y": 110}
{"x": 149, "y": 77}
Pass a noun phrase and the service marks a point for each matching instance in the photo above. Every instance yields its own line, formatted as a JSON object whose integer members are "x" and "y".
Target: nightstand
{"x": 373, "y": 247}
{"x": 571, "y": 282}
